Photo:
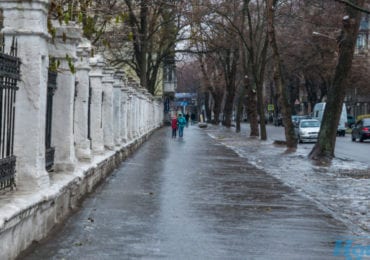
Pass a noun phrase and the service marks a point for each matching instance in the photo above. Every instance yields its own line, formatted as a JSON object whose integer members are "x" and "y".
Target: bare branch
{"x": 353, "y": 5}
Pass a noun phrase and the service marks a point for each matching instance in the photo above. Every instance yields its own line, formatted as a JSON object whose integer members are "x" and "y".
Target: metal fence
{"x": 89, "y": 114}
{"x": 9, "y": 76}
{"x": 49, "y": 150}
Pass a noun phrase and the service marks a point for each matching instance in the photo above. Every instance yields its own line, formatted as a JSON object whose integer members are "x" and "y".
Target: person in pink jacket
{"x": 174, "y": 126}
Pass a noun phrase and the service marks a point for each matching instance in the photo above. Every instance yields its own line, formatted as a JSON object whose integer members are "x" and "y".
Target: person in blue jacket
{"x": 181, "y": 122}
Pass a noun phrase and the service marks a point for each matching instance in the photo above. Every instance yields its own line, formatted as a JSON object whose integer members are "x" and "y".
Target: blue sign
{"x": 181, "y": 103}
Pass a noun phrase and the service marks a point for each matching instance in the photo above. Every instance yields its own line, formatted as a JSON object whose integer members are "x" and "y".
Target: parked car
{"x": 361, "y": 130}
{"x": 307, "y": 130}
{"x": 350, "y": 121}
{"x": 297, "y": 118}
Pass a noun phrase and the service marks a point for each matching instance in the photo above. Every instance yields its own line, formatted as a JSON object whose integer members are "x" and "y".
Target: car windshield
{"x": 305, "y": 124}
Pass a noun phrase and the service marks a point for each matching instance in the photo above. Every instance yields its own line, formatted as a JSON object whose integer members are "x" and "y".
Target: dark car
{"x": 361, "y": 130}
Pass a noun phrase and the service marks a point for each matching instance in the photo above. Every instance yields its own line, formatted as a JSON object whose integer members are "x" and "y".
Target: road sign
{"x": 270, "y": 107}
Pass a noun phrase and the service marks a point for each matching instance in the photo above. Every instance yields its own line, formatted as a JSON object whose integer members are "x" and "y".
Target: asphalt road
{"x": 193, "y": 198}
{"x": 344, "y": 147}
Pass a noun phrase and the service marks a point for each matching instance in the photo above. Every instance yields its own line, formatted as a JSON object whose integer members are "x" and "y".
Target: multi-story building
{"x": 358, "y": 95}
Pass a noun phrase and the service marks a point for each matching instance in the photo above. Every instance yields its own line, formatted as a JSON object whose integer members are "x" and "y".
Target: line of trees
{"x": 136, "y": 35}
{"x": 251, "y": 53}
{"x": 246, "y": 53}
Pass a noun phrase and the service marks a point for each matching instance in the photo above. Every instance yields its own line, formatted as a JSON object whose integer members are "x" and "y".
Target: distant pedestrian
{"x": 187, "y": 117}
{"x": 181, "y": 122}
{"x": 192, "y": 117}
{"x": 174, "y": 126}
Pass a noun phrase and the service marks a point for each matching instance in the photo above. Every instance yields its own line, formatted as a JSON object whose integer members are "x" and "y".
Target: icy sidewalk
{"x": 341, "y": 189}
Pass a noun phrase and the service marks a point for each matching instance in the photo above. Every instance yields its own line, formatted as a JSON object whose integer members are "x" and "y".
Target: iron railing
{"x": 89, "y": 114}
{"x": 9, "y": 76}
{"x": 49, "y": 150}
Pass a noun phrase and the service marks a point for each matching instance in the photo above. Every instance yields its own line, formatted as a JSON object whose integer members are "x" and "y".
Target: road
{"x": 344, "y": 147}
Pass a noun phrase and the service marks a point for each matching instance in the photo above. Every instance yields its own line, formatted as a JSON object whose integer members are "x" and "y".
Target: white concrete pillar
{"x": 117, "y": 111}
{"x": 27, "y": 21}
{"x": 131, "y": 115}
{"x": 146, "y": 113}
{"x": 125, "y": 110}
{"x": 96, "y": 124}
{"x": 155, "y": 111}
{"x": 128, "y": 111}
{"x": 64, "y": 50}
{"x": 160, "y": 112}
{"x": 83, "y": 150}
{"x": 139, "y": 113}
{"x": 108, "y": 109}
{"x": 135, "y": 128}
{"x": 151, "y": 113}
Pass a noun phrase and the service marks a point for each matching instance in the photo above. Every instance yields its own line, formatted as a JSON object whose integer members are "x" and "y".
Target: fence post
{"x": 83, "y": 151}
{"x": 96, "y": 132}
{"x": 27, "y": 21}
{"x": 137, "y": 111}
{"x": 108, "y": 82}
{"x": 129, "y": 112}
{"x": 64, "y": 50}
{"x": 117, "y": 111}
{"x": 125, "y": 110}
{"x": 49, "y": 149}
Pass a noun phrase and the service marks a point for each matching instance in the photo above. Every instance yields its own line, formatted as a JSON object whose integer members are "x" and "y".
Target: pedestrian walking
{"x": 181, "y": 122}
{"x": 174, "y": 126}
{"x": 192, "y": 117}
{"x": 187, "y": 117}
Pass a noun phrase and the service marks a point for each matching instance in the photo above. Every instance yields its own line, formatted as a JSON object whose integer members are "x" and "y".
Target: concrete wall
{"x": 29, "y": 216}
{"x": 123, "y": 115}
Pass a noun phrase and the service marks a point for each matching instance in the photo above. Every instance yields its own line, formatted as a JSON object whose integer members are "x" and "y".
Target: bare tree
{"x": 278, "y": 78}
{"x": 324, "y": 148}
{"x": 213, "y": 82}
{"x": 146, "y": 38}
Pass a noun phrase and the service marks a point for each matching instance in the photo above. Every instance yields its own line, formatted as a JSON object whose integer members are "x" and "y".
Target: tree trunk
{"x": 291, "y": 140}
{"x": 216, "y": 112}
{"x": 230, "y": 62}
{"x": 228, "y": 108}
{"x": 261, "y": 110}
{"x": 324, "y": 148}
{"x": 207, "y": 107}
{"x": 217, "y": 106}
{"x": 239, "y": 111}
{"x": 252, "y": 111}
{"x": 208, "y": 115}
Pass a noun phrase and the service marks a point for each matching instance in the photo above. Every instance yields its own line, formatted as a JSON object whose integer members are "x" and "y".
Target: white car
{"x": 308, "y": 130}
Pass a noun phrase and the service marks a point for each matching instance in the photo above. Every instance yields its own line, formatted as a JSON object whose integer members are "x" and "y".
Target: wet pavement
{"x": 340, "y": 189}
{"x": 193, "y": 198}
